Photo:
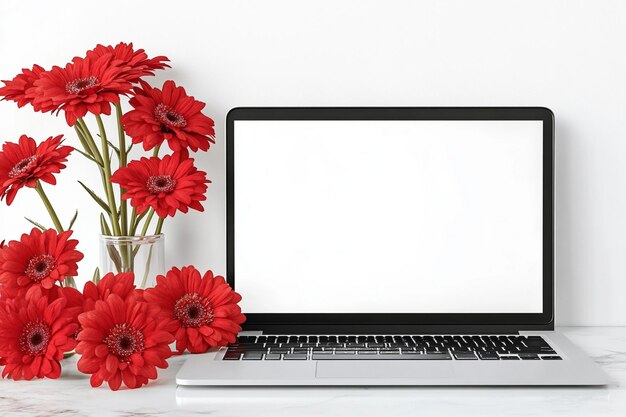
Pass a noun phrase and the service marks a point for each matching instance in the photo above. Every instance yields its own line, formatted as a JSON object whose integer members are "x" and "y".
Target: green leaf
{"x": 138, "y": 219}
{"x": 97, "y": 199}
{"x": 73, "y": 220}
{"x": 115, "y": 148}
{"x": 113, "y": 253}
{"x": 104, "y": 227}
{"x": 96, "y": 276}
{"x": 37, "y": 225}
{"x": 86, "y": 155}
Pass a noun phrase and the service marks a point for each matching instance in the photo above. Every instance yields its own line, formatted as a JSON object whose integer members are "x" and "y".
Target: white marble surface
{"x": 73, "y": 396}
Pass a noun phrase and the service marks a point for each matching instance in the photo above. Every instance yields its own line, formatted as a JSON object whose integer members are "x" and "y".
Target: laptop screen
{"x": 388, "y": 216}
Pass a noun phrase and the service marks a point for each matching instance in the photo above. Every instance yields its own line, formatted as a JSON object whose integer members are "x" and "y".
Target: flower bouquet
{"x": 92, "y": 86}
{"x": 122, "y": 331}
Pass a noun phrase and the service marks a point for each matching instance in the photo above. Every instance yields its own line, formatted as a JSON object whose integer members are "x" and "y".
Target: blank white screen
{"x": 388, "y": 216}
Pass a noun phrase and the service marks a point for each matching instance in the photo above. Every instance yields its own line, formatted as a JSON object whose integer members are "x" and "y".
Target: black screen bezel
{"x": 376, "y": 322}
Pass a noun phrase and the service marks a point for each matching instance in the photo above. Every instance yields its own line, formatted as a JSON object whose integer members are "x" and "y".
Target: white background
{"x": 389, "y": 216}
{"x": 566, "y": 55}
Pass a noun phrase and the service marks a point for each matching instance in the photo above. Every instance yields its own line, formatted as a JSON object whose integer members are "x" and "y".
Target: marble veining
{"x": 72, "y": 395}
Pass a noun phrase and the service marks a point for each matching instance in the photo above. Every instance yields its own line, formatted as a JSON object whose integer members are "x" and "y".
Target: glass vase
{"x": 143, "y": 255}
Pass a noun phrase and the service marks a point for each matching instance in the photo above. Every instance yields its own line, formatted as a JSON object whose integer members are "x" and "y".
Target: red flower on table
{"x": 168, "y": 115}
{"x": 20, "y": 89}
{"x": 24, "y": 163}
{"x": 122, "y": 284}
{"x": 74, "y": 298}
{"x": 205, "y": 308}
{"x": 35, "y": 332}
{"x": 123, "y": 341}
{"x": 135, "y": 64}
{"x": 167, "y": 185}
{"x": 84, "y": 85}
{"x": 38, "y": 259}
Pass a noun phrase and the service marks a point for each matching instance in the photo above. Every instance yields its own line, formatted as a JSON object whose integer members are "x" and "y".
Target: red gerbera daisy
{"x": 84, "y": 85}
{"x": 169, "y": 115}
{"x": 74, "y": 298}
{"x": 24, "y": 163}
{"x": 205, "y": 309}
{"x": 39, "y": 258}
{"x": 15, "y": 89}
{"x": 135, "y": 64}
{"x": 122, "y": 284}
{"x": 34, "y": 334}
{"x": 168, "y": 184}
{"x": 20, "y": 89}
{"x": 123, "y": 341}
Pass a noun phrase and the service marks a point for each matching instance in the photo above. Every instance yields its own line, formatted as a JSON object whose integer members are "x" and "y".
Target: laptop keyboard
{"x": 421, "y": 347}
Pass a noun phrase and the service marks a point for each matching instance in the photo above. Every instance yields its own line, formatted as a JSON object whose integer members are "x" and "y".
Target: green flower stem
{"x": 90, "y": 147}
{"x": 107, "y": 178}
{"x": 89, "y": 139}
{"x": 46, "y": 202}
{"x": 138, "y": 220}
{"x": 69, "y": 281}
{"x": 123, "y": 163}
{"x": 159, "y": 226}
{"x": 83, "y": 141}
{"x": 147, "y": 222}
{"x": 156, "y": 151}
{"x": 146, "y": 225}
{"x": 144, "y": 280}
{"x": 133, "y": 219}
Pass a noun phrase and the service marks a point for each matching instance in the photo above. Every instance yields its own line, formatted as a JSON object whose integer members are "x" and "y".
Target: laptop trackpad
{"x": 383, "y": 369}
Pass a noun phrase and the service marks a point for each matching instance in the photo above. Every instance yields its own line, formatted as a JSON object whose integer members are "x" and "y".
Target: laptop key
{"x": 538, "y": 351}
{"x": 294, "y": 356}
{"x": 246, "y": 338}
{"x": 253, "y": 356}
{"x": 527, "y": 356}
{"x": 463, "y": 356}
{"x": 551, "y": 358}
{"x": 488, "y": 356}
{"x": 252, "y": 346}
{"x": 272, "y": 357}
{"x": 232, "y": 356}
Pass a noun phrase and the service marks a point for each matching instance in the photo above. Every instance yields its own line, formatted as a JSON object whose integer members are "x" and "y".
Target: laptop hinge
{"x": 383, "y": 330}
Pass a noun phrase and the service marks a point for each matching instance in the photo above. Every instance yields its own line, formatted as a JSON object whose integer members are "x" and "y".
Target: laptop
{"x": 392, "y": 246}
